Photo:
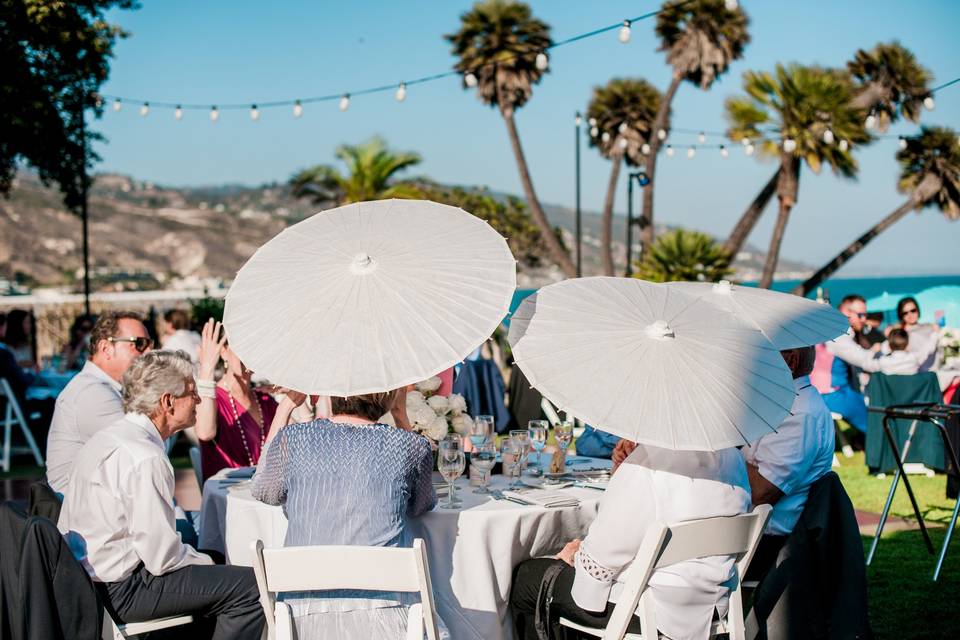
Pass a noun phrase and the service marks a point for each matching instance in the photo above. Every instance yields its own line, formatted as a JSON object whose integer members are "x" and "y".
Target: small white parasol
{"x": 369, "y": 297}
{"x": 520, "y": 319}
{"x": 649, "y": 363}
{"x": 789, "y": 321}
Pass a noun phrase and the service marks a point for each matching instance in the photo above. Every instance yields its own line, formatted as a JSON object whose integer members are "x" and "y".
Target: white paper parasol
{"x": 520, "y": 319}
{"x": 789, "y": 321}
{"x": 649, "y": 363}
{"x": 369, "y": 297}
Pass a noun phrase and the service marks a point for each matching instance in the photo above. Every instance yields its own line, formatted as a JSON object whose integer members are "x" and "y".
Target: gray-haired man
{"x": 118, "y": 512}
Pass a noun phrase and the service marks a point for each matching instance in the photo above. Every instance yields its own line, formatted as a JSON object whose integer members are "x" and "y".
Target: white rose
{"x": 458, "y": 404}
{"x": 439, "y": 404}
{"x": 438, "y": 428}
{"x": 462, "y": 424}
{"x": 430, "y": 385}
{"x": 415, "y": 397}
{"x": 421, "y": 415}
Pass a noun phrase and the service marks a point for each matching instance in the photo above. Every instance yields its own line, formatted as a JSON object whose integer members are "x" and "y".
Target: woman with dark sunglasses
{"x": 924, "y": 337}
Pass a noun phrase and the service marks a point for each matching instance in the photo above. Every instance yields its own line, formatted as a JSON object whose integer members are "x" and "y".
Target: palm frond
{"x": 632, "y": 102}
{"x": 701, "y": 38}
{"x": 930, "y": 170}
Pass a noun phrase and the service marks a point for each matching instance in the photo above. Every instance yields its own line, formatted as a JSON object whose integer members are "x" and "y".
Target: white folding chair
{"x": 663, "y": 546}
{"x": 320, "y": 568}
{"x": 114, "y": 631}
{"x": 13, "y": 414}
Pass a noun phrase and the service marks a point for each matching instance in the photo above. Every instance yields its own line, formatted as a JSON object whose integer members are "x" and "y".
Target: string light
{"x": 844, "y": 145}
{"x": 624, "y": 35}
{"x": 748, "y": 149}
{"x": 723, "y": 151}
{"x": 578, "y": 120}
{"x": 98, "y": 102}
{"x": 594, "y": 131}
{"x": 670, "y": 150}
{"x": 470, "y": 80}
{"x": 828, "y": 137}
{"x": 214, "y": 113}
{"x": 662, "y": 134}
{"x": 902, "y": 142}
{"x": 116, "y": 105}
{"x": 623, "y": 143}
{"x": 178, "y": 113}
{"x": 606, "y": 136}
{"x": 691, "y": 152}
{"x": 731, "y": 5}
{"x": 702, "y": 137}
{"x": 345, "y": 102}
{"x": 871, "y": 121}
{"x": 254, "y": 113}
{"x": 622, "y": 128}
{"x": 542, "y": 61}
{"x": 401, "y": 92}
{"x": 928, "y": 103}
{"x": 745, "y": 142}
{"x": 789, "y": 145}
{"x": 145, "y": 109}
{"x": 645, "y": 149}
{"x": 592, "y": 122}
{"x": 297, "y": 109}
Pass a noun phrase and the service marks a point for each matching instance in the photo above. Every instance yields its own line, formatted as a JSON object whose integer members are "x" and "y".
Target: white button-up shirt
{"x": 118, "y": 509}
{"x": 89, "y": 402}
{"x": 796, "y": 456}
{"x": 656, "y": 485}
{"x": 186, "y": 341}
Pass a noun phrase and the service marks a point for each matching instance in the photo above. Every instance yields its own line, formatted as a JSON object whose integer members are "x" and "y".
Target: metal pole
{"x": 630, "y": 177}
{"x": 577, "y": 122}
{"x": 83, "y": 211}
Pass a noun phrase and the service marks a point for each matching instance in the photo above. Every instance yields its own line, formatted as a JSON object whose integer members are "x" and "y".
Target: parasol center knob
{"x": 660, "y": 330}
{"x": 723, "y": 287}
{"x": 363, "y": 264}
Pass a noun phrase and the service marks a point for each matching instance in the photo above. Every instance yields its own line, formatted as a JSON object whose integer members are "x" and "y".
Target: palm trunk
{"x": 646, "y": 211}
{"x": 853, "y": 249}
{"x": 557, "y": 253}
{"x": 787, "y": 187}
{"x": 749, "y": 219}
{"x": 606, "y": 230}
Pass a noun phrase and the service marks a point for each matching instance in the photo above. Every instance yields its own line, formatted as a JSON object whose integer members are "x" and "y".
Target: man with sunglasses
{"x": 92, "y": 400}
{"x": 849, "y": 359}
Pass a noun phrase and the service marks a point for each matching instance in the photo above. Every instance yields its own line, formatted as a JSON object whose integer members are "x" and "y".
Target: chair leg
{"x": 28, "y": 436}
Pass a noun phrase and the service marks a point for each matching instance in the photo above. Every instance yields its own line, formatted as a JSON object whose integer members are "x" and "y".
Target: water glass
{"x": 451, "y": 465}
{"x": 563, "y": 434}
{"x": 451, "y": 447}
{"x": 522, "y": 438}
{"x": 511, "y": 456}
{"x": 481, "y": 431}
{"x": 537, "y": 433}
{"x": 483, "y": 458}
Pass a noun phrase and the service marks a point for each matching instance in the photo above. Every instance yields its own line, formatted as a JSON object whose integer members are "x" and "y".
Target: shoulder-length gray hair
{"x": 152, "y": 375}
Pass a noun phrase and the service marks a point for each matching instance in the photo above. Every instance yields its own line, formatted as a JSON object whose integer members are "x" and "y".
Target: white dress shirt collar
{"x": 89, "y": 368}
{"x": 145, "y": 423}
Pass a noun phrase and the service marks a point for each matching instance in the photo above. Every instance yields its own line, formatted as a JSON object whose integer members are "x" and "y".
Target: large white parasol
{"x": 789, "y": 321}
{"x": 520, "y": 319}
{"x": 649, "y": 363}
{"x": 369, "y": 297}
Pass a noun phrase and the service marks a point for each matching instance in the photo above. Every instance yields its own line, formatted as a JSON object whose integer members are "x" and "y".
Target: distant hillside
{"x": 148, "y": 236}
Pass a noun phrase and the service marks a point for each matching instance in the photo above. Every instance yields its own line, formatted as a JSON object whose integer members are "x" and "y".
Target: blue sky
{"x": 221, "y": 51}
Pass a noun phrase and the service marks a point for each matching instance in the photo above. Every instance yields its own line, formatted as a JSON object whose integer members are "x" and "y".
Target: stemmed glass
{"x": 537, "y": 434}
{"x": 481, "y": 431}
{"x": 451, "y": 462}
{"x": 522, "y": 438}
{"x": 563, "y": 434}
{"x": 511, "y": 456}
{"x": 483, "y": 458}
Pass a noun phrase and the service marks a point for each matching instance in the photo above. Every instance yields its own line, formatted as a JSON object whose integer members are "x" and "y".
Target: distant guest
{"x": 177, "y": 335}
{"x": 901, "y": 360}
{"x": 849, "y": 359}
{"x": 75, "y": 353}
{"x": 19, "y": 337}
{"x": 924, "y": 338}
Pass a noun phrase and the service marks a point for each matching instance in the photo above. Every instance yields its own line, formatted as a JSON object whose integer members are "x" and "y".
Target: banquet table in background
{"x": 472, "y": 550}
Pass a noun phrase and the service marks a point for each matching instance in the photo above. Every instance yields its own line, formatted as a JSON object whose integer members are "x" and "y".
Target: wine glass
{"x": 537, "y": 433}
{"x": 481, "y": 431}
{"x": 451, "y": 447}
{"x": 483, "y": 458}
{"x": 451, "y": 465}
{"x": 522, "y": 438}
{"x": 511, "y": 456}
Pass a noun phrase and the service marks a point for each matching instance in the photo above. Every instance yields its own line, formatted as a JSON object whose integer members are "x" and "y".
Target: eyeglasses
{"x": 141, "y": 344}
{"x": 858, "y": 315}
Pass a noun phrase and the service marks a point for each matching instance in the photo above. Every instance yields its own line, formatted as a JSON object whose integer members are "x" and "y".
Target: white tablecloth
{"x": 472, "y": 551}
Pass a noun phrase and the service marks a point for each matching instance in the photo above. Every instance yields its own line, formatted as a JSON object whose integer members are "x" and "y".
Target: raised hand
{"x": 212, "y": 339}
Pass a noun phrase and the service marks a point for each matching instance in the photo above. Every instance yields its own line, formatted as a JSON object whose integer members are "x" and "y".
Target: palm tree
{"x": 746, "y": 223}
{"x": 684, "y": 255}
{"x": 701, "y": 39}
{"x": 371, "y": 168}
{"x": 801, "y": 104}
{"x": 929, "y": 175}
{"x": 498, "y": 45}
{"x": 624, "y": 110}
{"x": 891, "y": 83}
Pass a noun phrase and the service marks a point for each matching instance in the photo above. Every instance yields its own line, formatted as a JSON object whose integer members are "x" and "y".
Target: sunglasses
{"x": 906, "y": 311}
{"x": 139, "y": 343}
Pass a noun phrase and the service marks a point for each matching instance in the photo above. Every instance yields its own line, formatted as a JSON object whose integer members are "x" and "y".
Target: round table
{"x": 472, "y": 550}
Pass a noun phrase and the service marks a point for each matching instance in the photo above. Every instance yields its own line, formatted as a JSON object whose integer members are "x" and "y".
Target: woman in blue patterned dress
{"x": 348, "y": 480}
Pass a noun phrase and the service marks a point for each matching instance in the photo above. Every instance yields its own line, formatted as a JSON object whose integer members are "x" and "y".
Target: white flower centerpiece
{"x": 950, "y": 344}
{"x": 433, "y": 415}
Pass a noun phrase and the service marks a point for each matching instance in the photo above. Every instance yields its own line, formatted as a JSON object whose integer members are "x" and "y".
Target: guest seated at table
{"x": 902, "y": 361}
{"x": 653, "y": 485}
{"x": 348, "y": 480}
{"x": 924, "y": 337}
{"x": 233, "y": 419}
{"x": 595, "y": 443}
{"x": 118, "y": 513}
{"x": 92, "y": 399}
{"x": 178, "y": 335}
{"x": 10, "y": 370}
{"x": 19, "y": 337}
{"x": 783, "y": 465}
{"x": 74, "y": 354}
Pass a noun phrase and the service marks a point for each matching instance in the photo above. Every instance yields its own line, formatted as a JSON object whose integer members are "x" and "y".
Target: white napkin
{"x": 544, "y": 498}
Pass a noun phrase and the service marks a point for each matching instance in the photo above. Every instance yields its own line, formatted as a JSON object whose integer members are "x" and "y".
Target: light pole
{"x": 643, "y": 180}
{"x": 84, "y": 183}
{"x": 578, "y": 120}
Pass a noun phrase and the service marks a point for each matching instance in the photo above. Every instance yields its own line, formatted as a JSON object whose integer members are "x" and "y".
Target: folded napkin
{"x": 241, "y": 472}
{"x": 544, "y": 498}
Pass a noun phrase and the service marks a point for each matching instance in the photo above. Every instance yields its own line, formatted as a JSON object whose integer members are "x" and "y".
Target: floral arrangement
{"x": 434, "y": 415}
{"x": 950, "y": 343}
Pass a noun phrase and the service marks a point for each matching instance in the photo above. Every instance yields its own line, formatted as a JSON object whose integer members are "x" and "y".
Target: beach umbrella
{"x": 942, "y": 301}
{"x": 369, "y": 297}
{"x": 653, "y": 364}
{"x": 520, "y": 319}
{"x": 885, "y": 302}
{"x": 788, "y": 321}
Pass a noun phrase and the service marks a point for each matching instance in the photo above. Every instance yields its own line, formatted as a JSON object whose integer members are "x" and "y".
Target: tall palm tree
{"x": 498, "y": 44}
{"x": 684, "y": 255}
{"x": 800, "y": 104}
{"x": 929, "y": 175}
{"x": 890, "y": 83}
{"x": 624, "y": 110}
{"x": 701, "y": 38}
{"x": 371, "y": 170}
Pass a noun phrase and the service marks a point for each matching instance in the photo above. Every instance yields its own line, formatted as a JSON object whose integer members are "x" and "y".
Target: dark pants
{"x": 765, "y": 557}
{"x": 227, "y": 594}
{"x": 527, "y": 578}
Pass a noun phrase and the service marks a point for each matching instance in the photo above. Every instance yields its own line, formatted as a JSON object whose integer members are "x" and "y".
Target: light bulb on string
{"x": 645, "y": 149}
{"x": 605, "y": 137}
{"x": 844, "y": 145}
{"x": 789, "y": 145}
{"x": 902, "y": 142}
{"x": 871, "y": 121}
{"x": 670, "y": 150}
{"x": 928, "y": 103}
{"x": 624, "y": 35}
{"x": 116, "y": 105}
{"x": 691, "y": 152}
{"x": 145, "y": 109}
{"x": 578, "y": 119}
{"x": 723, "y": 152}
{"x": 745, "y": 142}
{"x": 623, "y": 143}
{"x": 345, "y": 102}
{"x": 214, "y": 113}
{"x": 254, "y": 113}
{"x": 542, "y": 61}
{"x": 622, "y": 128}
{"x": 592, "y": 122}
{"x": 297, "y": 109}
{"x": 662, "y": 134}
{"x": 748, "y": 149}
{"x": 594, "y": 131}
{"x": 702, "y": 137}
{"x": 98, "y": 101}
{"x": 731, "y": 5}
{"x": 470, "y": 80}
{"x": 178, "y": 113}
{"x": 401, "y": 94}
{"x": 828, "y": 137}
